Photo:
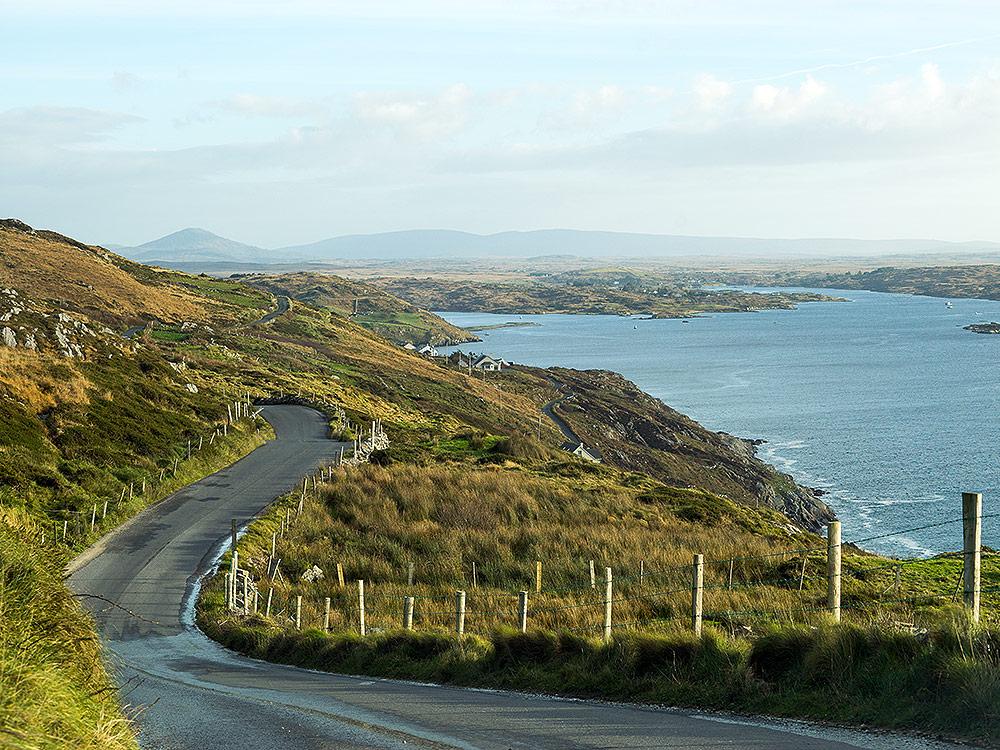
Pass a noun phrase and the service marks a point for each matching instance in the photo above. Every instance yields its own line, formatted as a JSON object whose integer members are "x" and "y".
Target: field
{"x": 906, "y": 655}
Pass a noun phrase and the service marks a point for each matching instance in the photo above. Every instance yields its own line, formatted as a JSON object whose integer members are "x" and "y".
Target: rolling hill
{"x": 200, "y": 246}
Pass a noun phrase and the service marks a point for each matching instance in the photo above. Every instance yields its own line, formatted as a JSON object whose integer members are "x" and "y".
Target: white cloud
{"x": 256, "y": 105}
{"x": 711, "y": 91}
{"x": 422, "y": 116}
{"x": 784, "y": 101}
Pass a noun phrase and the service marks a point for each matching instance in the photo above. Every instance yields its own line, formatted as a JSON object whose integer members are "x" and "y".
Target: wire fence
{"x": 808, "y": 584}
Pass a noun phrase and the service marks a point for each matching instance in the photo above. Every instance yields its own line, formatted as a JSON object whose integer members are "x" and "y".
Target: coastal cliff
{"x": 632, "y": 430}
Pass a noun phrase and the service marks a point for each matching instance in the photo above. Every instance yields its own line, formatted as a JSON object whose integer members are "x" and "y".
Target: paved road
{"x": 284, "y": 303}
{"x": 200, "y": 696}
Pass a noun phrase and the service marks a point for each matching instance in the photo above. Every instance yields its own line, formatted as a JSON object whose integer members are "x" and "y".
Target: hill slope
{"x": 371, "y": 307}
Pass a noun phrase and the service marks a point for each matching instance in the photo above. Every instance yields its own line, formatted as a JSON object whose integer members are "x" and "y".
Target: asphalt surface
{"x": 196, "y": 695}
{"x": 284, "y": 303}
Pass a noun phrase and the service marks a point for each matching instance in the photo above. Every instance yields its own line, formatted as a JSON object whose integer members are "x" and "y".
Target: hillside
{"x": 369, "y": 306}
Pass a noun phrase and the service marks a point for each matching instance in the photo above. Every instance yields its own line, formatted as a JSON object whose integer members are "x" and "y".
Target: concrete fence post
{"x": 246, "y": 594}
{"x": 475, "y": 577}
{"x": 460, "y": 612}
{"x": 104, "y": 510}
{"x": 361, "y": 607}
{"x": 642, "y": 572}
{"x": 972, "y": 528}
{"x": 522, "y": 610}
{"x": 834, "y": 555}
{"x": 326, "y": 615}
{"x": 298, "y": 612}
{"x": 697, "y": 592}
{"x": 267, "y": 609}
{"x": 93, "y": 517}
{"x": 607, "y": 604}
{"x": 408, "y": 612}
{"x": 593, "y": 576}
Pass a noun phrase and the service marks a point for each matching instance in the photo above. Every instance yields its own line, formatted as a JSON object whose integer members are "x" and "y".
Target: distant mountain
{"x": 200, "y": 246}
{"x": 194, "y": 244}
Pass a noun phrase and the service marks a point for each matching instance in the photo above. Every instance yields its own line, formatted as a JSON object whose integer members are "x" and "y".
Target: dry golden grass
{"x": 80, "y": 278}
{"x": 376, "y": 520}
{"x": 41, "y": 381}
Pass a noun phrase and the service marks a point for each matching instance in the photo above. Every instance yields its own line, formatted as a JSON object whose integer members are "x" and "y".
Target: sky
{"x": 277, "y": 123}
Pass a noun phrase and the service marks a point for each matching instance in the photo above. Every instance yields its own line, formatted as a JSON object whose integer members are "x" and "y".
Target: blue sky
{"x": 284, "y": 122}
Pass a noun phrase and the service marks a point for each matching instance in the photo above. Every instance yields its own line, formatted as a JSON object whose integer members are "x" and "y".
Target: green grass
{"x": 947, "y": 681}
{"x": 54, "y": 690}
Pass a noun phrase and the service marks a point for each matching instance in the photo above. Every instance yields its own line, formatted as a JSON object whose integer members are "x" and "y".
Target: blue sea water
{"x": 884, "y": 402}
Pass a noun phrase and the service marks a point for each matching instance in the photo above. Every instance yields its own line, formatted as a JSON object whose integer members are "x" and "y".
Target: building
{"x": 427, "y": 350}
{"x": 409, "y": 346}
{"x": 579, "y": 449}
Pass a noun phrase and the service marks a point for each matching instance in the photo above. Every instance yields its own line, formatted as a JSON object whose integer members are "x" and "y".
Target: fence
{"x": 809, "y": 584}
{"x": 68, "y": 524}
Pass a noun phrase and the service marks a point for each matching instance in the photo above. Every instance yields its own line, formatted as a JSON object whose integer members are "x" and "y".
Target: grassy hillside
{"x": 371, "y": 307}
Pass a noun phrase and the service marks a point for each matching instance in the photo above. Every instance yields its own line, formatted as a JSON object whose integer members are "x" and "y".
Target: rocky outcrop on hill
{"x": 633, "y": 430}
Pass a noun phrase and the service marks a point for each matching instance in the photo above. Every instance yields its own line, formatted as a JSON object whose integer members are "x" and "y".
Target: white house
{"x": 409, "y": 346}
{"x": 427, "y": 350}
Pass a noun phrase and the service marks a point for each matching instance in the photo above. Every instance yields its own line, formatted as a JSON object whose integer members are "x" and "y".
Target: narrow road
{"x": 197, "y": 695}
{"x": 284, "y": 303}
{"x": 550, "y": 411}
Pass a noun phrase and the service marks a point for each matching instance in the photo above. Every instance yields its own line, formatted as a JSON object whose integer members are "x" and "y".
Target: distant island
{"x": 498, "y": 326}
{"x": 983, "y": 328}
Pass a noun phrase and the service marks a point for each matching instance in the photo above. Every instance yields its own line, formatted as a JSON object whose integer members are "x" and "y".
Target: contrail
{"x": 873, "y": 58}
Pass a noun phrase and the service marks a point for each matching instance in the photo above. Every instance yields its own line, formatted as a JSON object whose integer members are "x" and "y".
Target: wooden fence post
{"x": 972, "y": 533}
{"x": 326, "y": 615}
{"x": 642, "y": 572}
{"x": 607, "y": 604}
{"x": 104, "y": 510}
{"x": 408, "y": 612}
{"x": 697, "y": 592}
{"x": 834, "y": 555}
{"x": 475, "y": 577}
{"x": 340, "y": 575}
{"x": 229, "y": 591}
{"x": 361, "y": 606}
{"x": 233, "y": 566}
{"x": 267, "y": 610}
{"x": 522, "y": 607}
{"x": 246, "y": 594}
{"x": 460, "y": 612}
{"x": 298, "y": 612}
{"x": 538, "y": 576}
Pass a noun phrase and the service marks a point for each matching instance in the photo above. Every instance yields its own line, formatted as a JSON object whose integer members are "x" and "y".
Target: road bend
{"x": 196, "y": 695}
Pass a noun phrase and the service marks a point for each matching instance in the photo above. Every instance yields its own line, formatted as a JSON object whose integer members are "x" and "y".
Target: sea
{"x": 883, "y": 402}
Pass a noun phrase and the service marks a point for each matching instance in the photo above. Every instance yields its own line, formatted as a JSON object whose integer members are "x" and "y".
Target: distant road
{"x": 284, "y": 303}
{"x": 200, "y": 696}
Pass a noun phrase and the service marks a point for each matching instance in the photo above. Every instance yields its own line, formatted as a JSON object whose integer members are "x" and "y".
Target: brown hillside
{"x": 46, "y": 266}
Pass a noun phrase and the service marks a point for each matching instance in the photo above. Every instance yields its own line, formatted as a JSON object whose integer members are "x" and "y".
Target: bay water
{"x": 883, "y": 401}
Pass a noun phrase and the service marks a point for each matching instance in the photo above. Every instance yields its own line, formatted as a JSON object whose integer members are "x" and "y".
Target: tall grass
{"x": 54, "y": 690}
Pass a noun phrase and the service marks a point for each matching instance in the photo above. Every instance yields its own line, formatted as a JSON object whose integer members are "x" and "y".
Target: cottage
{"x": 488, "y": 363}
{"x": 410, "y": 347}
{"x": 579, "y": 449}
{"x": 427, "y": 350}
